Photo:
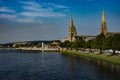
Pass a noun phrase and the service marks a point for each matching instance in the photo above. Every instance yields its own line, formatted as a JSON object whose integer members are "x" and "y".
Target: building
{"x": 73, "y": 36}
{"x": 19, "y": 43}
{"x": 103, "y": 29}
{"x": 72, "y": 31}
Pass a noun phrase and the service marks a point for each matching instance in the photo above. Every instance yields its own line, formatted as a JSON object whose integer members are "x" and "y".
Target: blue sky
{"x": 24, "y": 20}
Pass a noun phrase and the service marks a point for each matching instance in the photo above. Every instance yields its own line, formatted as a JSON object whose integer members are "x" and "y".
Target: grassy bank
{"x": 104, "y": 57}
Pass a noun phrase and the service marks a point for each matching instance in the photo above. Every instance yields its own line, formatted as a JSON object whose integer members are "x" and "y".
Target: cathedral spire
{"x": 71, "y": 22}
{"x": 103, "y": 29}
{"x": 103, "y": 16}
{"x": 72, "y": 30}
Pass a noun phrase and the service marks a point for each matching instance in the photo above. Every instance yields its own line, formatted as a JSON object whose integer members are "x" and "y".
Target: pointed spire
{"x": 103, "y": 16}
{"x": 103, "y": 28}
{"x": 72, "y": 31}
{"x": 71, "y": 21}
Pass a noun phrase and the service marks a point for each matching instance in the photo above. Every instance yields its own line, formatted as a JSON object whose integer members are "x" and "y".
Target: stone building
{"x": 73, "y": 36}
{"x": 103, "y": 29}
{"x": 72, "y": 31}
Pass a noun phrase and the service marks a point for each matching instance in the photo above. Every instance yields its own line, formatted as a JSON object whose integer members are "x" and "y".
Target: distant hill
{"x": 44, "y": 41}
{"x": 27, "y": 42}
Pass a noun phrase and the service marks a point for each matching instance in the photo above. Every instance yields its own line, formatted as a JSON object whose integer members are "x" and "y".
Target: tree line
{"x": 101, "y": 42}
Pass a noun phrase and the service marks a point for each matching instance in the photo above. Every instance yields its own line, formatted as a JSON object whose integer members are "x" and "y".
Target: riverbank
{"x": 33, "y": 49}
{"x": 104, "y": 57}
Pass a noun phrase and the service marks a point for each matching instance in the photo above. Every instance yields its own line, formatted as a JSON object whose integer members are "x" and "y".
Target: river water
{"x": 25, "y": 65}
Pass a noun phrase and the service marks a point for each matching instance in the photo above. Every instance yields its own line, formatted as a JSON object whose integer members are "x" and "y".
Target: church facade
{"x": 73, "y": 33}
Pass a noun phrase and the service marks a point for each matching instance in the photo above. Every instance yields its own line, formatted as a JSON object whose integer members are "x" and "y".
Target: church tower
{"x": 103, "y": 28}
{"x": 72, "y": 31}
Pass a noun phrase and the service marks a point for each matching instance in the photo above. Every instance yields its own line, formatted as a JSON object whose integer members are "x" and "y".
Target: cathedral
{"x": 73, "y": 33}
{"x": 103, "y": 29}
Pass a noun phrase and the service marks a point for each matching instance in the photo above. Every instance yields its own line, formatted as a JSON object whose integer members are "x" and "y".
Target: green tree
{"x": 99, "y": 42}
{"x": 78, "y": 44}
{"x": 65, "y": 44}
{"x": 113, "y": 42}
{"x": 89, "y": 44}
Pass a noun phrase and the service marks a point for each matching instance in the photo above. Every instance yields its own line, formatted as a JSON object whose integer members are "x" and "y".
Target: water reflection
{"x": 72, "y": 72}
{"x": 20, "y": 65}
{"x": 92, "y": 68}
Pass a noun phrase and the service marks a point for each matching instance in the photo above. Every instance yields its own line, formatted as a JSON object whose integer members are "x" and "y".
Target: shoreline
{"x": 33, "y": 49}
{"x": 104, "y": 57}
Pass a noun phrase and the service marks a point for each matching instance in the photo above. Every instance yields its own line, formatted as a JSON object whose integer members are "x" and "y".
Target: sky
{"x": 28, "y": 20}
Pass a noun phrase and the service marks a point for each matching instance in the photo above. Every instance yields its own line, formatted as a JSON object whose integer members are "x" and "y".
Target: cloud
{"x": 57, "y": 6}
{"x": 32, "y": 12}
{"x": 26, "y": 20}
{"x": 33, "y": 9}
{"x": 16, "y": 18}
{"x": 5, "y": 9}
{"x": 60, "y": 6}
{"x": 42, "y": 14}
{"x": 30, "y": 3}
{"x": 33, "y": 6}
{"x": 29, "y": 20}
{"x": 8, "y": 16}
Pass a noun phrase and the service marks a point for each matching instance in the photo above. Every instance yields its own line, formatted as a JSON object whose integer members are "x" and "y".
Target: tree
{"x": 113, "y": 42}
{"x": 89, "y": 44}
{"x": 99, "y": 42}
{"x": 116, "y": 42}
{"x": 65, "y": 44}
{"x": 78, "y": 44}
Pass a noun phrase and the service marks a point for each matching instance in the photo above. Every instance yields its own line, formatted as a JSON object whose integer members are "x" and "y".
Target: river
{"x": 29, "y": 65}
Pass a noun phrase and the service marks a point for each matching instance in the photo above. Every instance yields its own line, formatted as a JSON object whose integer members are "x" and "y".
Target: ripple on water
{"x": 53, "y": 66}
